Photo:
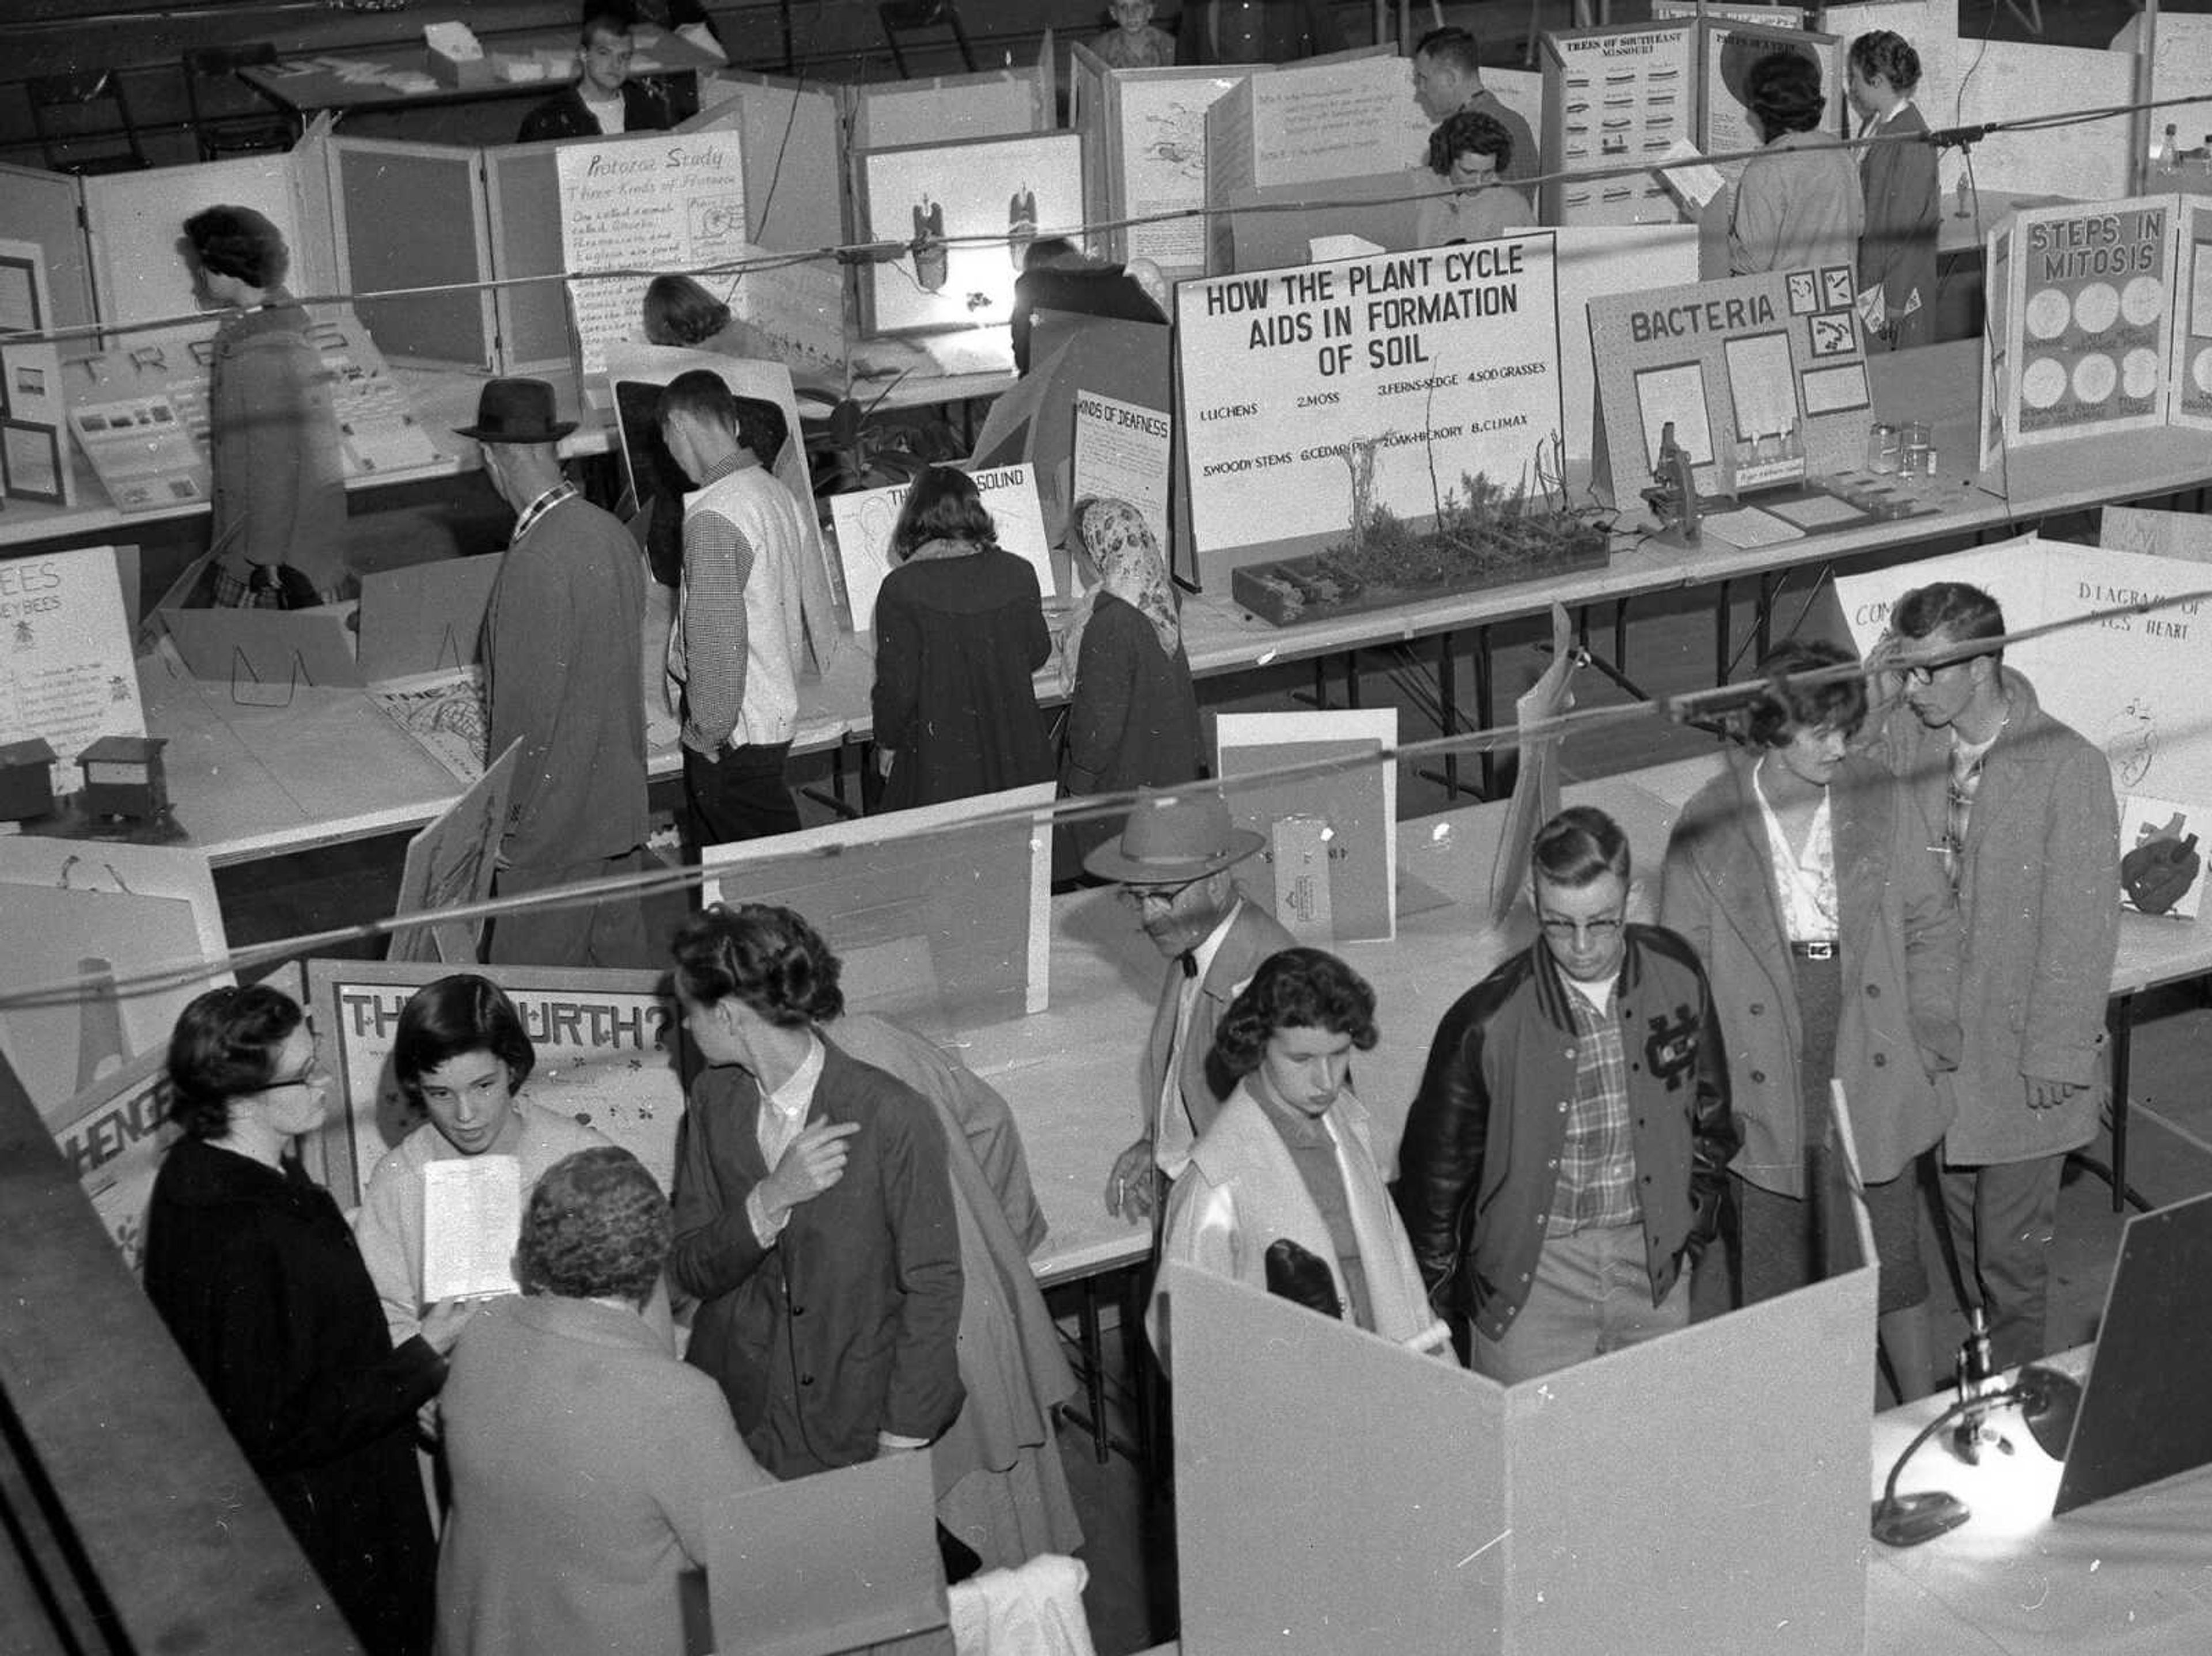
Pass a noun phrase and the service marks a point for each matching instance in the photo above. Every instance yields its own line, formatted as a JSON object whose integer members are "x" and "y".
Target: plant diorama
{"x": 1482, "y": 534}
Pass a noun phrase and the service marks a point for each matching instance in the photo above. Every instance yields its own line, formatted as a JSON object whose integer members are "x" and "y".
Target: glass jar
{"x": 1884, "y": 447}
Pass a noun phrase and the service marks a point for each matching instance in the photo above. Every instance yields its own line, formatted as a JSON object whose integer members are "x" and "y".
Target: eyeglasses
{"x": 1137, "y": 896}
{"x": 1599, "y": 931}
{"x": 313, "y": 1073}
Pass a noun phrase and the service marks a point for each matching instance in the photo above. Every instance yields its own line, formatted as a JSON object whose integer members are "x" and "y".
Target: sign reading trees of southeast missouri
{"x": 1446, "y": 361}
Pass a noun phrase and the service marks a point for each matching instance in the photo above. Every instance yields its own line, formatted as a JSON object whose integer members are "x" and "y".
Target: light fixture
{"x": 2047, "y": 1400}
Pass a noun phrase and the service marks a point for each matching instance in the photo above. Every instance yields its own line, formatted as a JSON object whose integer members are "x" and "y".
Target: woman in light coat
{"x": 1807, "y": 884}
{"x": 1283, "y": 1192}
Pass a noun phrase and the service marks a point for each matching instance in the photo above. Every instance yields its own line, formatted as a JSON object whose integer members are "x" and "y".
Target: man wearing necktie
{"x": 2020, "y": 807}
{"x": 1173, "y": 860}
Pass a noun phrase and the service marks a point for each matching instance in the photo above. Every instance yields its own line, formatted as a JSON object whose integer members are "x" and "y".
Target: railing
{"x": 128, "y": 1520}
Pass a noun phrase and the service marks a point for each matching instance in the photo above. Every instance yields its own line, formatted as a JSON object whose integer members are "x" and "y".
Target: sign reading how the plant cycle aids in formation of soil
{"x": 1439, "y": 365}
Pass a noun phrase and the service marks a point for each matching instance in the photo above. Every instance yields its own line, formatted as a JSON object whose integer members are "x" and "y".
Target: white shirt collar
{"x": 795, "y": 1097}
{"x": 1202, "y": 957}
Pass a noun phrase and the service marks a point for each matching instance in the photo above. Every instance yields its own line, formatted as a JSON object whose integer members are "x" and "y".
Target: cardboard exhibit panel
{"x": 1745, "y": 11}
{"x": 1123, "y": 452}
{"x": 70, "y": 677}
{"x": 134, "y": 220}
{"x": 34, "y": 461}
{"x": 974, "y": 208}
{"x": 2139, "y": 687}
{"x": 1329, "y": 869}
{"x": 1352, "y": 116}
{"x": 2191, "y": 399}
{"x": 450, "y": 862}
{"x": 419, "y": 618}
{"x": 104, "y": 911}
{"x": 1273, "y": 226}
{"x": 788, "y": 137}
{"x": 1034, "y": 422}
{"x": 996, "y": 103}
{"x": 1727, "y": 53}
{"x": 610, "y": 1055}
{"x": 1779, "y": 355}
{"x": 113, "y": 1132}
{"x": 385, "y": 192}
{"x": 1612, "y": 95}
{"x": 2078, "y": 335}
{"x": 941, "y": 919}
{"x": 1431, "y": 365}
{"x": 2187, "y": 534}
{"x": 522, "y": 190}
{"x": 1145, "y": 140}
{"x": 656, "y": 201}
{"x": 1435, "y": 1509}
{"x": 864, "y": 520}
{"x": 47, "y": 207}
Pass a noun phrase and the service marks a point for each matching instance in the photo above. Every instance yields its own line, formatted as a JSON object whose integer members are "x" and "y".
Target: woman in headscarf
{"x": 1132, "y": 715}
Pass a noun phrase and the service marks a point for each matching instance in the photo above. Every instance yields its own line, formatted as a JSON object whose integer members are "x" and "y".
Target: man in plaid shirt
{"x": 1563, "y": 1161}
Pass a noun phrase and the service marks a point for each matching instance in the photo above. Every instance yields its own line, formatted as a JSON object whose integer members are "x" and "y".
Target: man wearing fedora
{"x": 1173, "y": 863}
{"x": 563, "y": 668}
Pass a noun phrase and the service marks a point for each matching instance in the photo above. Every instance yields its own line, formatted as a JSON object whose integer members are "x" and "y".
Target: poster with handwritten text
{"x": 658, "y": 202}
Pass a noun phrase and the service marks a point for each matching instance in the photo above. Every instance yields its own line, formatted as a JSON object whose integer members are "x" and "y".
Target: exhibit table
{"x": 351, "y": 78}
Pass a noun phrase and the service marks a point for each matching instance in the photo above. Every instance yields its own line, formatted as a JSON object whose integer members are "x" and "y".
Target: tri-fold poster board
{"x": 2099, "y": 321}
{"x": 1719, "y": 1473}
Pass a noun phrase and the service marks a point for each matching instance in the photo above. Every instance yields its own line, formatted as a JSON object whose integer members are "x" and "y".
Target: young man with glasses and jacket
{"x": 1563, "y": 1163}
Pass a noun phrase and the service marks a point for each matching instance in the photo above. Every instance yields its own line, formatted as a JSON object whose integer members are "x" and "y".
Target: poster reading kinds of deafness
{"x": 1428, "y": 366}
{"x": 668, "y": 202}
{"x": 1122, "y": 452}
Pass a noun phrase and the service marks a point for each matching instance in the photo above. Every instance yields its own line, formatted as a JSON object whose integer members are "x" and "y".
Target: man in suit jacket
{"x": 1173, "y": 861}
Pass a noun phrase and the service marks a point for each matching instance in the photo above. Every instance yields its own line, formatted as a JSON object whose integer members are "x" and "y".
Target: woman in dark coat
{"x": 959, "y": 630}
{"x": 1904, "y": 206}
{"x": 253, "y": 1269}
{"x": 1132, "y": 719}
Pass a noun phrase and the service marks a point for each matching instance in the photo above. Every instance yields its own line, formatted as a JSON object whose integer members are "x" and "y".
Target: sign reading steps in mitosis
{"x": 2102, "y": 324}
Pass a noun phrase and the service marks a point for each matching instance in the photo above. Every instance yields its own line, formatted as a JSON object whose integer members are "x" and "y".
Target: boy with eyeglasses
{"x": 2020, "y": 807}
{"x": 1563, "y": 1163}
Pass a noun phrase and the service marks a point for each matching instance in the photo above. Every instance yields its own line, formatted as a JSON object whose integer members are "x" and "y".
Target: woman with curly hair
{"x": 959, "y": 630}
{"x": 814, "y": 1219}
{"x": 1798, "y": 206}
{"x": 585, "y": 1456}
{"x": 1470, "y": 152}
{"x": 1903, "y": 208}
{"x": 1283, "y": 1192}
{"x": 252, "y": 1266}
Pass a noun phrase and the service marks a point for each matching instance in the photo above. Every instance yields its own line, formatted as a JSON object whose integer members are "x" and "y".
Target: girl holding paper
{"x": 250, "y": 1264}
{"x": 460, "y": 1056}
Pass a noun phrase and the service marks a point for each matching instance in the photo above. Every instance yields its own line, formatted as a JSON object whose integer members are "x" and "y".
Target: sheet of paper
{"x": 1122, "y": 452}
{"x": 1749, "y": 528}
{"x": 445, "y": 712}
{"x": 471, "y": 1220}
{"x": 1824, "y": 512}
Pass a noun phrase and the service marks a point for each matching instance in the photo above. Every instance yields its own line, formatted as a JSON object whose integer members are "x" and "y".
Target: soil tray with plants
{"x": 1482, "y": 538}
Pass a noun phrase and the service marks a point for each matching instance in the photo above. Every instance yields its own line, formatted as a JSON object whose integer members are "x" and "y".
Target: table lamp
{"x": 2047, "y": 1400}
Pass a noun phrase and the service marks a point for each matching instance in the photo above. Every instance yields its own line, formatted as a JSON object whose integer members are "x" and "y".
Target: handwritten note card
{"x": 665, "y": 201}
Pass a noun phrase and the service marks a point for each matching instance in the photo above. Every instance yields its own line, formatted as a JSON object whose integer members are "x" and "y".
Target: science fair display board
{"x": 609, "y": 1057}
{"x": 864, "y": 520}
{"x": 1727, "y": 53}
{"x": 1143, "y": 152}
{"x": 1465, "y": 1515}
{"x": 971, "y": 211}
{"x": 2097, "y": 323}
{"x": 1612, "y": 96}
{"x": 1728, "y": 364}
{"x": 659, "y": 201}
{"x": 1306, "y": 124}
{"x": 942, "y": 915}
{"x": 1436, "y": 365}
